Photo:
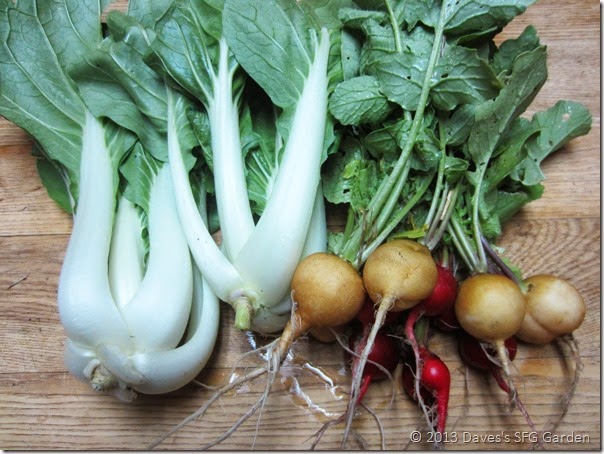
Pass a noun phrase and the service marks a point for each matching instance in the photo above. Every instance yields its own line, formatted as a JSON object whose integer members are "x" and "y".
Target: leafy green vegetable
{"x": 125, "y": 305}
{"x": 433, "y": 97}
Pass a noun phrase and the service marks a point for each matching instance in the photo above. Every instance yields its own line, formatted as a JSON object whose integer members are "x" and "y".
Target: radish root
{"x": 258, "y": 405}
{"x": 319, "y": 434}
{"x": 204, "y": 408}
{"x": 569, "y": 341}
{"x": 276, "y": 354}
{"x": 427, "y": 411}
{"x": 385, "y": 305}
{"x": 503, "y": 360}
{"x": 252, "y": 375}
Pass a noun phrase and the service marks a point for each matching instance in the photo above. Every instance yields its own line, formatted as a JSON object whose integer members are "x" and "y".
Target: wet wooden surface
{"x": 43, "y": 407}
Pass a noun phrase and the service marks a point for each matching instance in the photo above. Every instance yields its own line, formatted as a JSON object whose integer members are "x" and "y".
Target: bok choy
{"x": 201, "y": 49}
{"x": 137, "y": 314}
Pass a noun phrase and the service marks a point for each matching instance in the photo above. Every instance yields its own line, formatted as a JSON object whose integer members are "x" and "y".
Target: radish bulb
{"x": 326, "y": 292}
{"x": 397, "y": 276}
{"x": 491, "y": 307}
{"x": 442, "y": 298}
{"x": 434, "y": 387}
{"x": 554, "y": 309}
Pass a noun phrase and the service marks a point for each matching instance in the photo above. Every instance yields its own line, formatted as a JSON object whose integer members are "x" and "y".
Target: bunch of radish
{"x": 435, "y": 190}
{"x": 486, "y": 312}
{"x": 426, "y": 378}
{"x": 494, "y": 304}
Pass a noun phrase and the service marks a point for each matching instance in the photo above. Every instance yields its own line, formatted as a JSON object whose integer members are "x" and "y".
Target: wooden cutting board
{"x": 43, "y": 407}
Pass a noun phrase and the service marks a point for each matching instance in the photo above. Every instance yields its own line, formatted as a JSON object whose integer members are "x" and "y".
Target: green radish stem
{"x": 386, "y": 199}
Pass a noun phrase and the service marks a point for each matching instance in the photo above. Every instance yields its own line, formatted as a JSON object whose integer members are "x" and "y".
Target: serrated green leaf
{"x": 462, "y": 78}
{"x": 510, "y": 49}
{"x": 481, "y": 17}
{"x": 351, "y": 56}
{"x": 358, "y": 101}
{"x": 350, "y": 178}
{"x": 494, "y": 117}
{"x": 557, "y": 126}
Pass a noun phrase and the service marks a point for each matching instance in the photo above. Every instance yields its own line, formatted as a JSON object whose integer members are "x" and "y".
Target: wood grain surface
{"x": 43, "y": 408}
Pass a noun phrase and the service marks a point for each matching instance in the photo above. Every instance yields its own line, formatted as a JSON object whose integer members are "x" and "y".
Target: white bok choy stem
{"x": 114, "y": 310}
{"x": 260, "y": 276}
{"x": 152, "y": 372}
{"x": 189, "y": 50}
{"x": 218, "y": 271}
{"x": 280, "y": 234}
{"x": 127, "y": 251}
{"x": 234, "y": 212}
{"x": 156, "y": 315}
{"x": 271, "y": 319}
{"x": 121, "y": 348}
{"x": 172, "y": 369}
{"x": 86, "y": 307}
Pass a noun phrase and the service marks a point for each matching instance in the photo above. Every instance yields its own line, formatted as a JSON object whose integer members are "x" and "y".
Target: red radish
{"x": 384, "y": 356}
{"x": 367, "y": 315}
{"x": 408, "y": 381}
{"x": 475, "y": 356}
{"x": 434, "y": 385}
{"x": 397, "y": 276}
{"x": 443, "y": 295}
{"x": 438, "y": 302}
{"x": 447, "y": 321}
{"x": 384, "y": 353}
